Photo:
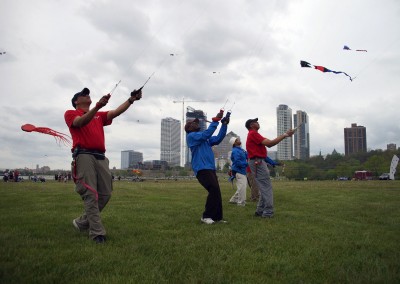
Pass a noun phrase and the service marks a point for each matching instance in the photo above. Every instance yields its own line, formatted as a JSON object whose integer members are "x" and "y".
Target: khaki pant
{"x": 240, "y": 195}
{"x": 255, "y": 191}
{"x": 94, "y": 185}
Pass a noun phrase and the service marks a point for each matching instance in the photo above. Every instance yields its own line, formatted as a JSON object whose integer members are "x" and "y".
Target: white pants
{"x": 240, "y": 195}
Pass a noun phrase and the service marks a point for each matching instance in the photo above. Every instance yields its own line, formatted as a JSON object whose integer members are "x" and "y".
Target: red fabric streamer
{"x": 59, "y": 136}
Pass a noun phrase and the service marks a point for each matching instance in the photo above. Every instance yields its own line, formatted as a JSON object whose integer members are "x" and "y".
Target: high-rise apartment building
{"x": 355, "y": 139}
{"x": 301, "y": 136}
{"x": 222, "y": 150}
{"x": 284, "y": 122}
{"x": 131, "y": 159}
{"x": 170, "y": 145}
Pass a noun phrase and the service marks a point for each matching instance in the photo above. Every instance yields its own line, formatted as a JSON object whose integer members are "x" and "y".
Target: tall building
{"x": 192, "y": 113}
{"x": 131, "y": 159}
{"x": 284, "y": 122}
{"x": 170, "y": 145}
{"x": 355, "y": 139}
{"x": 301, "y": 136}
{"x": 222, "y": 150}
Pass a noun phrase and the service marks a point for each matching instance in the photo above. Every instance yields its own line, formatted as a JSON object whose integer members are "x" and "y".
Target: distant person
{"x": 257, "y": 152}
{"x": 11, "y": 176}
{"x": 5, "y": 177}
{"x": 239, "y": 165}
{"x": 90, "y": 167}
{"x": 203, "y": 163}
{"x": 16, "y": 175}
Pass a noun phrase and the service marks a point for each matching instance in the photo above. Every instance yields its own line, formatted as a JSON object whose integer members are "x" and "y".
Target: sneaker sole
{"x": 207, "y": 223}
{"x": 76, "y": 225}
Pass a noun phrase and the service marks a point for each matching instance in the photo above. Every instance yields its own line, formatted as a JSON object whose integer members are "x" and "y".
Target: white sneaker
{"x": 241, "y": 204}
{"x": 207, "y": 221}
{"x": 75, "y": 225}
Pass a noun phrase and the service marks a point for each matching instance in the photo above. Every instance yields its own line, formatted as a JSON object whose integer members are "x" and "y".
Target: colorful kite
{"x": 348, "y": 48}
{"x": 322, "y": 69}
{"x": 60, "y": 137}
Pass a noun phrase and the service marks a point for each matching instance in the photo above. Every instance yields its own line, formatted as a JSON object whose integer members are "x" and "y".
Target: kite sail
{"x": 348, "y": 48}
{"x": 393, "y": 166}
{"x": 60, "y": 137}
{"x": 322, "y": 69}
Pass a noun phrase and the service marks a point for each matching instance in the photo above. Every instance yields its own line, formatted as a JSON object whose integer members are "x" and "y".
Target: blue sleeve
{"x": 215, "y": 140}
{"x": 195, "y": 138}
{"x": 268, "y": 160}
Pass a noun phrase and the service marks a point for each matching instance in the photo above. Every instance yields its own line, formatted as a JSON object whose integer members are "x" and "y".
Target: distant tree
{"x": 377, "y": 165}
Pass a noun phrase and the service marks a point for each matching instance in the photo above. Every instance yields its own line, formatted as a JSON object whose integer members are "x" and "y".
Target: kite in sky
{"x": 60, "y": 137}
{"x": 322, "y": 69}
{"x": 348, "y": 48}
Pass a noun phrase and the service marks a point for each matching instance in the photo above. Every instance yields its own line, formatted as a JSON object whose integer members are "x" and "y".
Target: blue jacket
{"x": 273, "y": 163}
{"x": 200, "y": 144}
{"x": 239, "y": 160}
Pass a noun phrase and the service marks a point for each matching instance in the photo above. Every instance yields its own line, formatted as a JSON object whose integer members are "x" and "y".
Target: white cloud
{"x": 254, "y": 47}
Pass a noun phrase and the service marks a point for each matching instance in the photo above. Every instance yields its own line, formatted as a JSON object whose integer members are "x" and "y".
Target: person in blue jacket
{"x": 203, "y": 163}
{"x": 239, "y": 165}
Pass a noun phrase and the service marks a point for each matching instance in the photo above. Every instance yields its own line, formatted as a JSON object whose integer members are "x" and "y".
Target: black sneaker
{"x": 99, "y": 239}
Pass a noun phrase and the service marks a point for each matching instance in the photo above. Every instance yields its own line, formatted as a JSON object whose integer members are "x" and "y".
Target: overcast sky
{"x": 55, "y": 48}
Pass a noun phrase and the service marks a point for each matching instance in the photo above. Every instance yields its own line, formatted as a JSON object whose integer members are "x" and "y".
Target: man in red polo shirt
{"x": 255, "y": 146}
{"x": 90, "y": 167}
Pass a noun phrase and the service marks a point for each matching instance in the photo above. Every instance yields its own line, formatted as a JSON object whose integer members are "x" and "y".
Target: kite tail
{"x": 59, "y": 136}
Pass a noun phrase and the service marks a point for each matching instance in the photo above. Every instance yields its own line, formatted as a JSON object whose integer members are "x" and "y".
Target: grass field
{"x": 322, "y": 232}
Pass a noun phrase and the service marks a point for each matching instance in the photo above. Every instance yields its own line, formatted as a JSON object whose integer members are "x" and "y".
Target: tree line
{"x": 338, "y": 165}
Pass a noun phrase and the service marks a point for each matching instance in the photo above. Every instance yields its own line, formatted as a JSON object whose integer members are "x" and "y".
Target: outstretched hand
{"x": 136, "y": 94}
{"x": 226, "y": 119}
{"x": 218, "y": 117}
{"x": 103, "y": 101}
{"x": 290, "y": 132}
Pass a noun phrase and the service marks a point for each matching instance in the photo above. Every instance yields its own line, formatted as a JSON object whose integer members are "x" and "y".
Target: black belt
{"x": 97, "y": 154}
{"x": 257, "y": 158}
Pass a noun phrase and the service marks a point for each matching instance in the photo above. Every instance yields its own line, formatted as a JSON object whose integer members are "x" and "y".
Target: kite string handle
{"x": 116, "y": 85}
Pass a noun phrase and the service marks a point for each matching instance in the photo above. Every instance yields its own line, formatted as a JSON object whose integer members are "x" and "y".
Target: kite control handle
{"x": 226, "y": 119}
{"x": 137, "y": 94}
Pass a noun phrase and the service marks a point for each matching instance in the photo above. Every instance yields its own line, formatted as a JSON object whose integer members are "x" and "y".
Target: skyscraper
{"x": 131, "y": 159}
{"x": 355, "y": 139}
{"x": 301, "y": 136}
{"x": 222, "y": 149}
{"x": 170, "y": 149}
{"x": 284, "y": 122}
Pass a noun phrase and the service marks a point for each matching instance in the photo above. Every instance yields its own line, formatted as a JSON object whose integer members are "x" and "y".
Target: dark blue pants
{"x": 213, "y": 209}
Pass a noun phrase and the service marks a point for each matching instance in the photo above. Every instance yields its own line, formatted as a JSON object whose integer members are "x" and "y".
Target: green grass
{"x": 323, "y": 232}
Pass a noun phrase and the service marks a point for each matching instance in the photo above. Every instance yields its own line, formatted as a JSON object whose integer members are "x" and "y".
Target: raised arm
{"x": 135, "y": 96}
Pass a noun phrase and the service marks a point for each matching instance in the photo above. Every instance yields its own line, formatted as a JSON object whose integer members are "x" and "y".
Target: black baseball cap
{"x": 250, "y": 121}
{"x": 84, "y": 92}
{"x": 188, "y": 124}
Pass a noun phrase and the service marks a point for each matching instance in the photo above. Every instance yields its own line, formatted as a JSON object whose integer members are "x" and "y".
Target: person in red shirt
{"x": 90, "y": 166}
{"x": 257, "y": 152}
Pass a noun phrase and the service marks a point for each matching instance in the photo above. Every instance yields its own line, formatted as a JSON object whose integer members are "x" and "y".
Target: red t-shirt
{"x": 253, "y": 145}
{"x": 90, "y": 136}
